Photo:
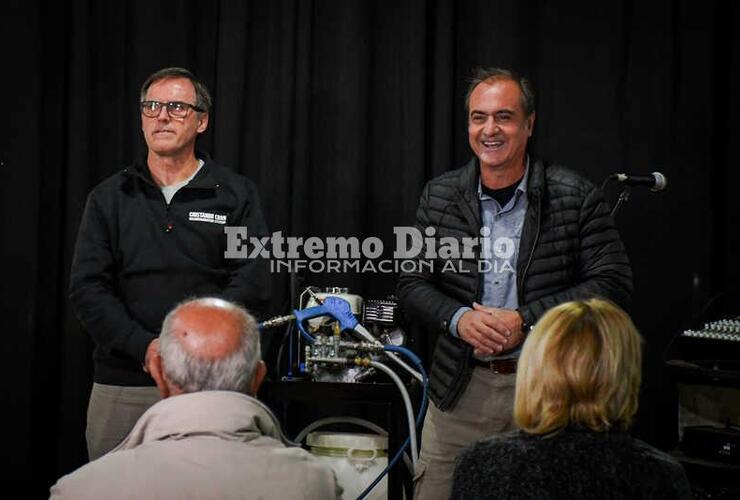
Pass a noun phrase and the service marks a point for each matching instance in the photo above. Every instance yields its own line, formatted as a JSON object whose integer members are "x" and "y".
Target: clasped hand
{"x": 490, "y": 330}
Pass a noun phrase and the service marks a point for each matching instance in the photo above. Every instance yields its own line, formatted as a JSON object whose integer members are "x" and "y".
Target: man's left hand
{"x": 511, "y": 318}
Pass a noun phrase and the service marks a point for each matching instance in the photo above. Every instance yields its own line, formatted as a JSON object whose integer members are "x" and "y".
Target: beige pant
{"x": 485, "y": 408}
{"x": 111, "y": 414}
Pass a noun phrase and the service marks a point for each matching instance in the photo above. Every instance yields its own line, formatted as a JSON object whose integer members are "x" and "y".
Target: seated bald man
{"x": 209, "y": 437}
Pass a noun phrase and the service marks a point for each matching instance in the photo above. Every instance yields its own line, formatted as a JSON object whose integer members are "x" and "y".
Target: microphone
{"x": 655, "y": 181}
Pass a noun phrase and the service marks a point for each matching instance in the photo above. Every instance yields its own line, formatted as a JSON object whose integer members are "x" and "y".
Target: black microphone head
{"x": 656, "y": 181}
{"x": 661, "y": 181}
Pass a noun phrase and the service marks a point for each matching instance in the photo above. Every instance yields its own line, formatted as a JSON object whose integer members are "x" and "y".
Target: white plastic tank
{"x": 357, "y": 459}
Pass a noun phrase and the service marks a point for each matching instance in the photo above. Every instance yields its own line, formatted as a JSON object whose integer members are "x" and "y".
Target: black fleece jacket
{"x": 569, "y": 250}
{"x": 572, "y": 464}
{"x": 136, "y": 257}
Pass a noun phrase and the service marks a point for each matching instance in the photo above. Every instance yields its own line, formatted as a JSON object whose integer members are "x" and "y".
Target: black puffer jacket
{"x": 569, "y": 249}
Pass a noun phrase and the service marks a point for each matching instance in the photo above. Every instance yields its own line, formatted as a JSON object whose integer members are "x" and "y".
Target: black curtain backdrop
{"x": 340, "y": 111}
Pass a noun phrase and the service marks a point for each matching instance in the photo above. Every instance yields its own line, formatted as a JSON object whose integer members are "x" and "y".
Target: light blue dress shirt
{"x": 501, "y": 232}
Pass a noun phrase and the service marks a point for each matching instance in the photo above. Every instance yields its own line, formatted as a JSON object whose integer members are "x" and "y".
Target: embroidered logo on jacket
{"x": 207, "y": 217}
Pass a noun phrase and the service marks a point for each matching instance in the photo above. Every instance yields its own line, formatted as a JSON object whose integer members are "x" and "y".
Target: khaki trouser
{"x": 111, "y": 414}
{"x": 485, "y": 408}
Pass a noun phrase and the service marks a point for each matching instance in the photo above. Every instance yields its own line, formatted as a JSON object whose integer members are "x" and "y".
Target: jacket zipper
{"x": 520, "y": 279}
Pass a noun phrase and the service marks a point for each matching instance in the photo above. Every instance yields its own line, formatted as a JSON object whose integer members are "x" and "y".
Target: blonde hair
{"x": 580, "y": 365}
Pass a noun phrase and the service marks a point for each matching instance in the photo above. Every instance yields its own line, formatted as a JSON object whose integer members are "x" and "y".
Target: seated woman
{"x": 577, "y": 385}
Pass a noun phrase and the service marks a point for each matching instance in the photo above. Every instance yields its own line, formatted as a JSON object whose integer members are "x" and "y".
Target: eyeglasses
{"x": 175, "y": 109}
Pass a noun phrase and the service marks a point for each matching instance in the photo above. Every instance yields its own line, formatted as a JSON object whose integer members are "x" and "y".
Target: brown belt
{"x": 504, "y": 366}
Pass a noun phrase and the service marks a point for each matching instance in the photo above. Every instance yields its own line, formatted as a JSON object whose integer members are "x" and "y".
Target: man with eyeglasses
{"x": 152, "y": 235}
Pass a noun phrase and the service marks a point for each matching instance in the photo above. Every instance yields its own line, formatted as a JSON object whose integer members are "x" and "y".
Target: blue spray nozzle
{"x": 336, "y": 307}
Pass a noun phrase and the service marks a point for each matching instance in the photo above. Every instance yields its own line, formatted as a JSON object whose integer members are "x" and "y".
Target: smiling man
{"x": 548, "y": 237}
{"x": 152, "y": 235}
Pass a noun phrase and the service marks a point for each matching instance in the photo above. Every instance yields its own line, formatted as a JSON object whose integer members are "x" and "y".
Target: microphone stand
{"x": 624, "y": 195}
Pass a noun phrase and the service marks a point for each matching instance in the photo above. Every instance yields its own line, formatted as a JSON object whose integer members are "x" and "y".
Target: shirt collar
{"x": 520, "y": 189}
{"x": 239, "y": 418}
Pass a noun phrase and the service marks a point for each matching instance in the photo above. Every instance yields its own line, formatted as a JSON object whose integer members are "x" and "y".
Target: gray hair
{"x": 481, "y": 75}
{"x": 232, "y": 372}
{"x": 202, "y": 96}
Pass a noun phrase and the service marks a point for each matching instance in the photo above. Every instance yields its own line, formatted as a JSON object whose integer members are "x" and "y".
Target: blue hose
{"x": 422, "y": 409}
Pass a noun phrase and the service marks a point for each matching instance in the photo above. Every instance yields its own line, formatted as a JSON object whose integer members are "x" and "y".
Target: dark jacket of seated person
{"x": 577, "y": 386}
